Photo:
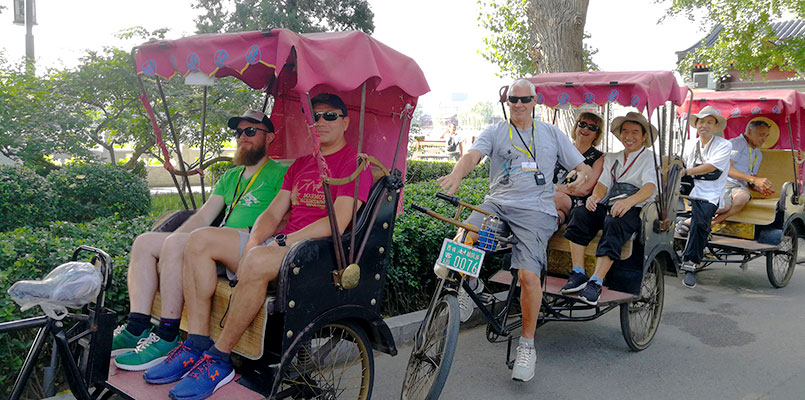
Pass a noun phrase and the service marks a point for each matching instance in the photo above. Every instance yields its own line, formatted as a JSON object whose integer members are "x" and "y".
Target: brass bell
{"x": 351, "y": 276}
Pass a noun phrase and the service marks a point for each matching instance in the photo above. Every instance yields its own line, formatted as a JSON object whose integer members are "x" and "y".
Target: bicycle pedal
{"x": 486, "y": 298}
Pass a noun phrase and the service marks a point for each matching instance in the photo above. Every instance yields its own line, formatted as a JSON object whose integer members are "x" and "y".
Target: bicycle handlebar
{"x": 454, "y": 200}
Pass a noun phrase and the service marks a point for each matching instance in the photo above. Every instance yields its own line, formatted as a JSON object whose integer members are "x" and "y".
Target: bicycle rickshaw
{"x": 635, "y": 284}
{"x": 768, "y": 225}
{"x": 316, "y": 332}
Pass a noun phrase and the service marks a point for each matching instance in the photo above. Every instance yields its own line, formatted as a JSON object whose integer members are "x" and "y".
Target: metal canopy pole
{"x": 175, "y": 142}
{"x": 357, "y": 179}
{"x": 201, "y": 149}
{"x": 147, "y": 105}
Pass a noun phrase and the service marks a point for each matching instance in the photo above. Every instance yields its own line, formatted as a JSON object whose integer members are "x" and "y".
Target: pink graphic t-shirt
{"x": 303, "y": 180}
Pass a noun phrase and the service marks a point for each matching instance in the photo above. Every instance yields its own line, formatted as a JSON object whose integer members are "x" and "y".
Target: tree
{"x": 747, "y": 41}
{"x": 296, "y": 15}
{"x": 528, "y": 37}
{"x": 478, "y": 116}
{"x": 35, "y": 121}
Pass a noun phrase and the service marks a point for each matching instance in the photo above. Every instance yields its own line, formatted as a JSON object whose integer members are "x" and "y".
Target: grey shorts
{"x": 532, "y": 229}
{"x": 730, "y": 190}
{"x": 244, "y": 237}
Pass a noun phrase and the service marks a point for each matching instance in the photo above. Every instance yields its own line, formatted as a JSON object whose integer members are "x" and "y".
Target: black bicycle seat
{"x": 72, "y": 284}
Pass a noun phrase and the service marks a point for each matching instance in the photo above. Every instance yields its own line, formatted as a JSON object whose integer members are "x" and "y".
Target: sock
{"x": 138, "y": 323}
{"x": 527, "y": 342}
{"x": 213, "y": 351}
{"x": 168, "y": 328}
{"x": 580, "y": 270}
{"x": 597, "y": 280}
{"x": 199, "y": 343}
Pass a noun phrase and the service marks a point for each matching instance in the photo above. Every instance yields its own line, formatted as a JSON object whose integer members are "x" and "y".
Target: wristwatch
{"x": 280, "y": 239}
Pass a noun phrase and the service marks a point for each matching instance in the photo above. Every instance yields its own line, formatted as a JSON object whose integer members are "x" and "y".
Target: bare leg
{"x": 739, "y": 200}
{"x": 204, "y": 247}
{"x": 143, "y": 276}
{"x": 260, "y": 266}
{"x": 170, "y": 274}
{"x": 576, "y": 254}
{"x": 563, "y": 204}
{"x": 530, "y": 298}
{"x": 602, "y": 266}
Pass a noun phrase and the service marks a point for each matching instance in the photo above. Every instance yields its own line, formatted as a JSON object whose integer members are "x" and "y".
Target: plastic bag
{"x": 72, "y": 284}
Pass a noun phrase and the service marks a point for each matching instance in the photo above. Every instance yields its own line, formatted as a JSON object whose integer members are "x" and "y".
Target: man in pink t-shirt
{"x": 302, "y": 194}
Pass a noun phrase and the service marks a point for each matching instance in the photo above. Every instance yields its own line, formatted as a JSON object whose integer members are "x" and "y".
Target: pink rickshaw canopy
{"x": 639, "y": 89}
{"x": 783, "y": 107}
{"x": 290, "y": 67}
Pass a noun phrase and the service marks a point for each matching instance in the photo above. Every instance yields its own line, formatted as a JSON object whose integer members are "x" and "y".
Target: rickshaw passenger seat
{"x": 777, "y": 166}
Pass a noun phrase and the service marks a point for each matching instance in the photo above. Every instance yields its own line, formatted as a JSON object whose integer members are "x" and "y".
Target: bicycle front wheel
{"x": 430, "y": 362}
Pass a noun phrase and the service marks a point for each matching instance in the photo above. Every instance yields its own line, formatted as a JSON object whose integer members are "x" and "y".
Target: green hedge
{"x": 89, "y": 191}
{"x": 30, "y": 253}
{"x": 417, "y": 240}
{"x": 426, "y": 171}
{"x": 26, "y": 198}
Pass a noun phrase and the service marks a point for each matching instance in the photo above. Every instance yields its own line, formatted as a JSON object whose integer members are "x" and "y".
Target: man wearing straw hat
{"x": 523, "y": 153}
{"x": 745, "y": 162}
{"x": 627, "y": 183}
{"x": 708, "y": 162}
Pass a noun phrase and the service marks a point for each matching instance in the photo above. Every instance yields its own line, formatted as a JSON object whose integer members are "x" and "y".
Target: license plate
{"x": 461, "y": 258}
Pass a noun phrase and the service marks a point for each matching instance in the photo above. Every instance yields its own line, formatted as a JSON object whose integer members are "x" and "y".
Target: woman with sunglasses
{"x": 586, "y": 135}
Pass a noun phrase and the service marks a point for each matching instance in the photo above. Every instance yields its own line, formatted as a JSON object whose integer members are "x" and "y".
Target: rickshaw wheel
{"x": 334, "y": 362}
{"x": 429, "y": 363}
{"x": 641, "y": 318}
{"x": 780, "y": 263}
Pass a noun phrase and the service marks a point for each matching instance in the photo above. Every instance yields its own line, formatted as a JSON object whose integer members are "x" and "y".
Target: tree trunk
{"x": 138, "y": 151}
{"x": 557, "y": 31}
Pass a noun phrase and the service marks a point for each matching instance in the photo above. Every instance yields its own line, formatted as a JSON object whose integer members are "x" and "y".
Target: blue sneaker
{"x": 591, "y": 293}
{"x": 575, "y": 283}
{"x": 207, "y": 376}
{"x": 176, "y": 365}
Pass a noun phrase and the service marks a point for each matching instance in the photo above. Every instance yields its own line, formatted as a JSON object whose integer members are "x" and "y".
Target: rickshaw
{"x": 768, "y": 225}
{"x": 635, "y": 285}
{"x": 317, "y": 329}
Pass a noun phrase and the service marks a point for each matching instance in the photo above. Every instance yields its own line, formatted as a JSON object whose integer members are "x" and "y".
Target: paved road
{"x": 732, "y": 337}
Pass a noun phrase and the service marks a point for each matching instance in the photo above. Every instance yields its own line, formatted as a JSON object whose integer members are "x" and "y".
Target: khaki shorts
{"x": 730, "y": 190}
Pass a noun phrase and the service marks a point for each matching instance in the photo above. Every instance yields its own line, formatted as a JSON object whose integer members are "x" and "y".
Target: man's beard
{"x": 249, "y": 157}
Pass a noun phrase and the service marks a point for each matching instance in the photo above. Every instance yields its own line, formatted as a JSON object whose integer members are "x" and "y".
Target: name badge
{"x": 529, "y": 166}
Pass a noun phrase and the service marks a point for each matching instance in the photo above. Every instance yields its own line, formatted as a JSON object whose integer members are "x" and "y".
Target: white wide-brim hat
{"x": 709, "y": 111}
{"x": 636, "y": 118}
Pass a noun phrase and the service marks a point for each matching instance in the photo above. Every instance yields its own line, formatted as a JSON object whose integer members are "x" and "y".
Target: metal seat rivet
{"x": 389, "y": 198}
{"x": 381, "y": 250}
{"x": 373, "y": 302}
{"x": 291, "y": 304}
{"x": 296, "y": 271}
{"x": 385, "y": 225}
{"x": 289, "y": 334}
{"x": 377, "y": 277}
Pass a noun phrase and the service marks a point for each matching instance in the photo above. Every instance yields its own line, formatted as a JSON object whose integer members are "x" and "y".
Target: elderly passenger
{"x": 745, "y": 162}
{"x": 586, "y": 135}
{"x": 629, "y": 182}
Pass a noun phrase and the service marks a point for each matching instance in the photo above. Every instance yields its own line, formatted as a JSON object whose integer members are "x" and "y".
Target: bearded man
{"x": 244, "y": 192}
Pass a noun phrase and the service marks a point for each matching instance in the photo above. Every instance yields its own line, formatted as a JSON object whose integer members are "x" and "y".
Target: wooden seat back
{"x": 777, "y": 166}
{"x": 559, "y": 253}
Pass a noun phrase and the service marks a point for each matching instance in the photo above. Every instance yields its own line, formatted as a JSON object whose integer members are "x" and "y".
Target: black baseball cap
{"x": 331, "y": 100}
{"x": 253, "y": 116}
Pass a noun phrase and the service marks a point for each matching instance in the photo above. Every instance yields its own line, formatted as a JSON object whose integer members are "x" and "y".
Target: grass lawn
{"x": 162, "y": 203}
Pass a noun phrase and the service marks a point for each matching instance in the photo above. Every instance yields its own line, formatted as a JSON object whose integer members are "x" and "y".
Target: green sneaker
{"x": 148, "y": 353}
{"x": 124, "y": 341}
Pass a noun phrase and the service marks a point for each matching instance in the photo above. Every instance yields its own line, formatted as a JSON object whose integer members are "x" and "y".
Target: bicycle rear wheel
{"x": 430, "y": 362}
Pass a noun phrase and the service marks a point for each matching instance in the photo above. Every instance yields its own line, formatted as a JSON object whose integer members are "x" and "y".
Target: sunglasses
{"x": 592, "y": 128}
{"x": 249, "y": 132}
{"x": 328, "y": 116}
{"x": 521, "y": 99}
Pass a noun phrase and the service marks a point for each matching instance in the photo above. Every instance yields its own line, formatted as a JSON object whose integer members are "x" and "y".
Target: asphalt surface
{"x": 732, "y": 337}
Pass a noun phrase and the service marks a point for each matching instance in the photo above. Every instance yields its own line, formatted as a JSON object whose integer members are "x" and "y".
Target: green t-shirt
{"x": 254, "y": 201}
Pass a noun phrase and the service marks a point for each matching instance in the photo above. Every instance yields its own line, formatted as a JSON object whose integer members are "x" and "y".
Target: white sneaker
{"x": 465, "y": 304}
{"x": 525, "y": 364}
